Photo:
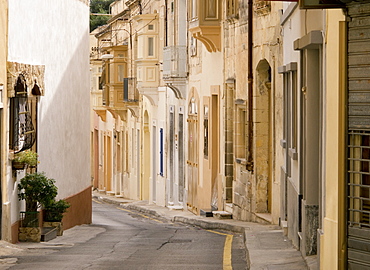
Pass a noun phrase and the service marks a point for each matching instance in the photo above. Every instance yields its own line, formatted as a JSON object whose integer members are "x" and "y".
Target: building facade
{"x": 326, "y": 185}
{"x": 53, "y": 84}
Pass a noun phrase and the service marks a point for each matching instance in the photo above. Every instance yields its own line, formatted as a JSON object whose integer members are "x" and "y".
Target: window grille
{"x": 206, "y": 131}
{"x": 359, "y": 179}
{"x": 22, "y": 132}
{"x": 161, "y": 149}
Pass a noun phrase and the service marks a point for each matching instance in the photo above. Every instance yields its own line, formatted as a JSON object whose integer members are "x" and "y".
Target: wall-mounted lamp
{"x": 107, "y": 56}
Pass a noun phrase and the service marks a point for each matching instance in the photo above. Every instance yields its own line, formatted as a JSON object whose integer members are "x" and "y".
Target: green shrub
{"x": 54, "y": 210}
{"x": 37, "y": 190}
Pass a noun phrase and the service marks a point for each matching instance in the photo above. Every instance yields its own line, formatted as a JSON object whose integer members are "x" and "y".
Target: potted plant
{"x": 37, "y": 190}
{"x": 27, "y": 158}
{"x": 53, "y": 214}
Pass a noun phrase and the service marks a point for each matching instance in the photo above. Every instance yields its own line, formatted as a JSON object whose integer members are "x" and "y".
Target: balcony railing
{"x": 174, "y": 62}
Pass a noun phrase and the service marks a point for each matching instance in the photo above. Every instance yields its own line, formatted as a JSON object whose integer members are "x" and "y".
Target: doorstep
{"x": 48, "y": 233}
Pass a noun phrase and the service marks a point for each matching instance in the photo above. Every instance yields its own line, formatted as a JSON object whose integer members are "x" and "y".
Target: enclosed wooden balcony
{"x": 119, "y": 91}
{"x": 147, "y": 58}
{"x": 175, "y": 69}
{"x": 205, "y": 22}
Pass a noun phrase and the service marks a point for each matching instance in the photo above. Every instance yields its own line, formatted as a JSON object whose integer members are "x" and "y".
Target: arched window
{"x": 193, "y": 108}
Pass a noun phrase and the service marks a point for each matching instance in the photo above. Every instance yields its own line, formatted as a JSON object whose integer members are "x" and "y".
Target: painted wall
{"x": 58, "y": 37}
{"x": 329, "y": 235}
{"x": 291, "y": 32}
{"x": 206, "y": 71}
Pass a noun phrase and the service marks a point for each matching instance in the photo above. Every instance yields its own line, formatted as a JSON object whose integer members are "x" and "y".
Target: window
{"x": 150, "y": 46}
{"x": 1, "y": 95}
{"x": 241, "y": 137}
{"x": 290, "y": 108}
{"x": 161, "y": 146}
{"x": 120, "y": 73}
{"x": 206, "y": 131}
{"x": 22, "y": 131}
{"x": 100, "y": 82}
{"x": 193, "y": 46}
{"x": 231, "y": 8}
{"x": 193, "y": 109}
{"x": 193, "y": 9}
{"x": 181, "y": 157}
{"x": 359, "y": 179}
{"x": 294, "y": 108}
{"x": 151, "y": 27}
{"x": 140, "y": 47}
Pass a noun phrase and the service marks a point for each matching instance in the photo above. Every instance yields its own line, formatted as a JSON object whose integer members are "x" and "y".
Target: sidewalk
{"x": 266, "y": 246}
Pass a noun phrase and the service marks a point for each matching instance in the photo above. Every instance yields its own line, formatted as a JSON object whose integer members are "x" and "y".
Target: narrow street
{"x": 123, "y": 239}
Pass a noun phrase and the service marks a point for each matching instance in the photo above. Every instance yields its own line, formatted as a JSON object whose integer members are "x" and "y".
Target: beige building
{"x": 205, "y": 188}
{"x": 252, "y": 110}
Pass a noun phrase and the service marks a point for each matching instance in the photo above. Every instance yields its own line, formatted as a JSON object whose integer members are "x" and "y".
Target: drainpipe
{"x": 249, "y": 165}
{"x": 165, "y": 23}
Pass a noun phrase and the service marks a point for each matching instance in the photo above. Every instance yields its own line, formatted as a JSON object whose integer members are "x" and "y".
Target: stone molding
{"x": 33, "y": 74}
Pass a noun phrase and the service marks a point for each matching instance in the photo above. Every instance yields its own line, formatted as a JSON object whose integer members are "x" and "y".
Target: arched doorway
{"x": 145, "y": 180}
{"x": 263, "y": 138}
{"x": 193, "y": 151}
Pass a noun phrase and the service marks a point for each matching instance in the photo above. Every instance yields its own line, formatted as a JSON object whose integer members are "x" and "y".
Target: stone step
{"x": 206, "y": 212}
{"x": 176, "y": 207}
{"x": 48, "y": 233}
{"x": 222, "y": 215}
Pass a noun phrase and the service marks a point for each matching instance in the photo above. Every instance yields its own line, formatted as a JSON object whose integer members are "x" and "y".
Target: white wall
{"x": 56, "y": 34}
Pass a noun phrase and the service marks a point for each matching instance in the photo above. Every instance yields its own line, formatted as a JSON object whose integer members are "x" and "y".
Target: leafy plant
{"x": 28, "y": 157}
{"x": 37, "y": 190}
{"x": 54, "y": 210}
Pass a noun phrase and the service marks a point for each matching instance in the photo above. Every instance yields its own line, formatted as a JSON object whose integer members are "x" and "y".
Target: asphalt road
{"x": 122, "y": 239}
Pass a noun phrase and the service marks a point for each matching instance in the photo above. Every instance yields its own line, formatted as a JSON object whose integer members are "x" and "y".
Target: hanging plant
{"x": 27, "y": 157}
